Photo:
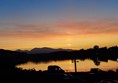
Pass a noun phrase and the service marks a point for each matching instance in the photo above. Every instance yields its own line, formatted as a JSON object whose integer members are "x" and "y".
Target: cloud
{"x": 94, "y": 27}
{"x": 60, "y": 29}
{"x": 29, "y": 31}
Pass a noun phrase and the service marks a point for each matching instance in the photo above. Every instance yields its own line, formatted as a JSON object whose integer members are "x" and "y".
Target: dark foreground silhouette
{"x": 55, "y": 74}
{"x": 9, "y": 73}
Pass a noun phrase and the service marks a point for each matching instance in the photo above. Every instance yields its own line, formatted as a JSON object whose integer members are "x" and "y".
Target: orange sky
{"x": 72, "y": 35}
{"x": 72, "y": 24}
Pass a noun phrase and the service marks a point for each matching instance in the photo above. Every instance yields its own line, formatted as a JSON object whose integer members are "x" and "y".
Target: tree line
{"x": 12, "y": 58}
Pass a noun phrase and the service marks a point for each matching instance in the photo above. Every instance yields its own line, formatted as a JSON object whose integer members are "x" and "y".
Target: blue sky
{"x": 25, "y": 10}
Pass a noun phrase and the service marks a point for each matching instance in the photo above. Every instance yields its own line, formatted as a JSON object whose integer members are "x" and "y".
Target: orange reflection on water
{"x": 68, "y": 65}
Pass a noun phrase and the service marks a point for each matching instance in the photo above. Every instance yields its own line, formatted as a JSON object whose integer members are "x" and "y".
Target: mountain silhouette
{"x": 43, "y": 50}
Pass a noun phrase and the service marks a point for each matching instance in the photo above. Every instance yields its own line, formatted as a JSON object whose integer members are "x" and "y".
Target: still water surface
{"x": 68, "y": 65}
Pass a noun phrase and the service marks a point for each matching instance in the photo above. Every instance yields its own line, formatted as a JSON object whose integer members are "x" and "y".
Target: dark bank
{"x": 10, "y": 73}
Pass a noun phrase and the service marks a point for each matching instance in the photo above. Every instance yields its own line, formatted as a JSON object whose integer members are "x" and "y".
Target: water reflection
{"x": 68, "y": 66}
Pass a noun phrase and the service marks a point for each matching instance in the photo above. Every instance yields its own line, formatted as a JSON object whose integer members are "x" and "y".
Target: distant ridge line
{"x": 43, "y": 50}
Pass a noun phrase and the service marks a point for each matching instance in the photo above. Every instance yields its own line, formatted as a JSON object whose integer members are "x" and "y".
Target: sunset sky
{"x": 71, "y": 24}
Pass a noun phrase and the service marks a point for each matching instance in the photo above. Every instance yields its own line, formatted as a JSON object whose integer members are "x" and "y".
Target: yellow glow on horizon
{"x": 67, "y": 41}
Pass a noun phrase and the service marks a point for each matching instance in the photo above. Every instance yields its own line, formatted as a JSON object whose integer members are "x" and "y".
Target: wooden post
{"x": 75, "y": 64}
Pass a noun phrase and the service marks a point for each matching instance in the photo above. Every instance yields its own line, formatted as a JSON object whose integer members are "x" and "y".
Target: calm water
{"x": 68, "y": 65}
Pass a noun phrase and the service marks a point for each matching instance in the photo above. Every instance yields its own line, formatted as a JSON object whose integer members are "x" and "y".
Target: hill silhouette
{"x": 42, "y": 50}
{"x": 95, "y": 53}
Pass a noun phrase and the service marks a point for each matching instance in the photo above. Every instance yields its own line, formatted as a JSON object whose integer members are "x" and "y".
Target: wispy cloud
{"x": 90, "y": 27}
{"x": 60, "y": 29}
